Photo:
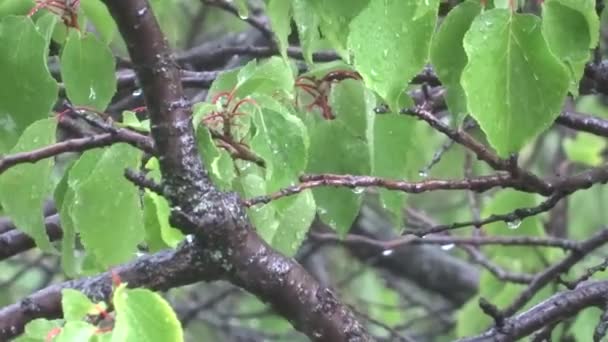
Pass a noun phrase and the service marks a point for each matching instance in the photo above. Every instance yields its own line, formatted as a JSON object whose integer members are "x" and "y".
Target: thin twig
{"x": 550, "y": 273}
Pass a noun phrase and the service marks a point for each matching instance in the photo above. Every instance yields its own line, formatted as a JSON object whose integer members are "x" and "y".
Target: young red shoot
{"x": 319, "y": 89}
{"x": 66, "y": 9}
{"x": 52, "y": 334}
{"x": 139, "y": 109}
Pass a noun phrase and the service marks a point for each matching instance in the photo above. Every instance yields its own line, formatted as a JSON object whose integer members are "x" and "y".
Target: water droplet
{"x": 142, "y": 11}
{"x": 92, "y": 94}
{"x": 514, "y": 224}
{"x": 423, "y": 173}
{"x": 7, "y": 122}
{"x": 387, "y": 252}
{"x": 137, "y": 92}
{"x": 358, "y": 190}
{"x": 447, "y": 247}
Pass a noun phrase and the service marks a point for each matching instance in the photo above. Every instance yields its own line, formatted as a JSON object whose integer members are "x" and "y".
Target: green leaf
{"x": 144, "y": 316}
{"x": 218, "y": 161}
{"x": 394, "y": 156}
{"x": 76, "y": 331}
{"x": 335, "y": 17}
{"x": 383, "y": 54}
{"x": 46, "y": 26}
{"x": 106, "y": 209}
{"x": 528, "y": 83}
{"x": 295, "y": 214}
{"x": 426, "y": 6}
{"x": 154, "y": 238}
{"x": 571, "y": 25}
{"x": 585, "y": 323}
{"x": 263, "y": 216}
{"x": 40, "y": 327}
{"x": 279, "y": 13}
{"x": 75, "y": 305}
{"x": 307, "y": 24}
{"x": 280, "y": 141}
{"x": 353, "y": 106}
{"x": 448, "y": 55}
{"x": 503, "y": 4}
{"x": 87, "y": 69}
{"x": 268, "y": 77}
{"x": 337, "y": 207}
{"x": 226, "y": 81}
{"x": 25, "y": 187}
{"x": 129, "y": 119}
{"x": 170, "y": 236}
{"x": 98, "y": 14}
{"x": 585, "y": 148}
{"x": 571, "y": 28}
{"x": 27, "y": 91}
{"x": 353, "y": 127}
{"x": 79, "y": 172}
{"x": 19, "y": 7}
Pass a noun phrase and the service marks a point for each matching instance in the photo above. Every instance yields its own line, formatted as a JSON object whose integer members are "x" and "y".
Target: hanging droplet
{"x": 423, "y": 173}
{"x": 387, "y": 252}
{"x": 137, "y": 92}
{"x": 514, "y": 224}
{"x": 358, "y": 190}
{"x": 447, "y": 246}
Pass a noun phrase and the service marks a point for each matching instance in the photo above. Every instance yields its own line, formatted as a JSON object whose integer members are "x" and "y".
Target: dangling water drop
{"x": 358, "y": 190}
{"x": 447, "y": 247}
{"x": 514, "y": 224}
{"x": 423, "y": 173}
{"x": 387, "y": 252}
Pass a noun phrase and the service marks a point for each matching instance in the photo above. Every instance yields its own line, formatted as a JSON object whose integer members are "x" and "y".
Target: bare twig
{"x": 552, "y": 272}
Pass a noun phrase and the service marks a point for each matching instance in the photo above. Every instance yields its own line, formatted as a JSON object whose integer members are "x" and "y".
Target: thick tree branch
{"x": 558, "y": 307}
{"x": 13, "y": 242}
{"x": 161, "y": 271}
{"x": 218, "y": 220}
{"x": 584, "y": 123}
{"x": 77, "y": 145}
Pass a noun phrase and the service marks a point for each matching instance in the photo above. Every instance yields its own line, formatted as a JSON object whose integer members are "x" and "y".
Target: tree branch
{"x": 160, "y": 271}
{"x": 77, "y": 145}
{"x": 558, "y": 307}
{"x": 13, "y": 242}
{"x": 217, "y": 219}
